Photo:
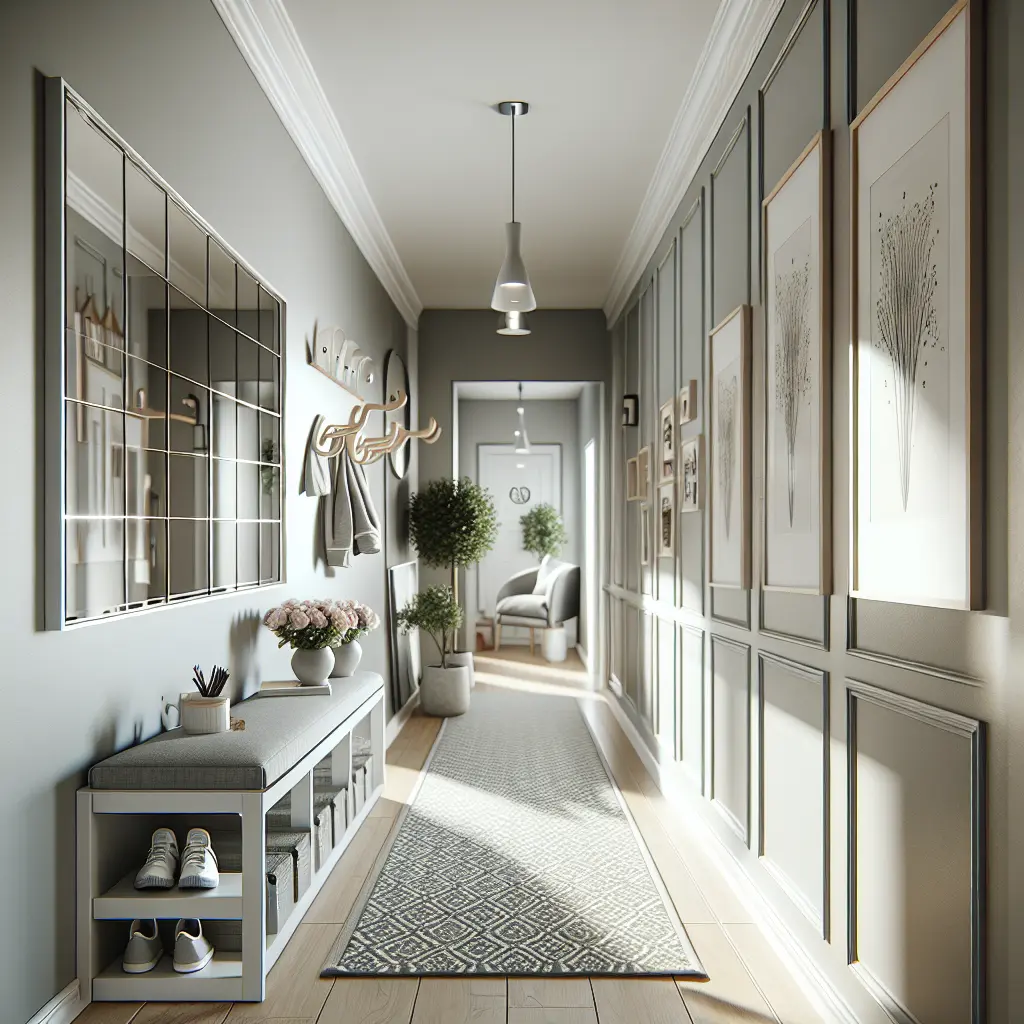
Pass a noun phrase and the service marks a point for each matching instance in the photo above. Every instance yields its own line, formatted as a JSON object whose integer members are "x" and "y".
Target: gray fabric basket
{"x": 280, "y": 889}
{"x": 298, "y": 845}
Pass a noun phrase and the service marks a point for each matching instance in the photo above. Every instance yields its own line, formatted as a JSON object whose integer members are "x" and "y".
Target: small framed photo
{"x": 691, "y": 474}
{"x": 643, "y": 474}
{"x": 688, "y": 403}
{"x": 630, "y": 410}
{"x": 645, "y": 534}
{"x": 666, "y": 521}
{"x": 667, "y": 433}
{"x": 632, "y": 480}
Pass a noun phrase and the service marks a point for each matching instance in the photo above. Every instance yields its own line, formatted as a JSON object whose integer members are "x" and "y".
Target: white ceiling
{"x": 506, "y": 390}
{"x": 411, "y": 85}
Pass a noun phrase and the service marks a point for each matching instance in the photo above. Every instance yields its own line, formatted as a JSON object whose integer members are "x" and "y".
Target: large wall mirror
{"x": 164, "y": 391}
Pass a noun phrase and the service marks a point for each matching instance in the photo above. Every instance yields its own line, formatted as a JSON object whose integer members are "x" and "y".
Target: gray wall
{"x": 170, "y": 80}
{"x": 589, "y": 429}
{"x": 749, "y": 697}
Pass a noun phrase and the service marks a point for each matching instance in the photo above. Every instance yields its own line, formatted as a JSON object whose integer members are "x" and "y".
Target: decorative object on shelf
{"x": 347, "y": 650}
{"x": 632, "y": 480}
{"x": 666, "y": 520}
{"x": 797, "y": 513}
{"x": 341, "y": 359}
{"x": 522, "y": 440}
{"x": 691, "y": 480}
{"x": 643, "y": 474}
{"x": 688, "y": 403}
{"x": 543, "y": 531}
{"x": 917, "y": 426}
{"x": 403, "y": 584}
{"x": 630, "y": 410}
{"x": 445, "y": 688}
{"x": 208, "y": 710}
{"x": 291, "y": 688}
{"x": 512, "y": 290}
{"x": 645, "y": 534}
{"x": 667, "y": 440}
{"x": 396, "y": 383}
{"x": 729, "y": 450}
{"x": 312, "y": 628}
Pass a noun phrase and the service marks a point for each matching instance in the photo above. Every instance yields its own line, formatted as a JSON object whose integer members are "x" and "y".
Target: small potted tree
{"x": 543, "y": 531}
{"x": 453, "y": 524}
{"x": 444, "y": 690}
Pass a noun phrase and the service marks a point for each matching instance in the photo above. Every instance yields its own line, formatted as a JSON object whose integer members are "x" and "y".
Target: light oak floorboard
{"x": 335, "y": 900}
{"x": 182, "y": 1013}
{"x": 552, "y": 1015}
{"x": 786, "y": 997}
{"x": 109, "y": 1013}
{"x": 370, "y": 1001}
{"x": 638, "y": 1001}
{"x": 549, "y": 992}
{"x": 461, "y": 1001}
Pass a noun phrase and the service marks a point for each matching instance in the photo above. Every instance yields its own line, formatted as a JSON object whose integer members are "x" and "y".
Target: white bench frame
{"x": 229, "y": 977}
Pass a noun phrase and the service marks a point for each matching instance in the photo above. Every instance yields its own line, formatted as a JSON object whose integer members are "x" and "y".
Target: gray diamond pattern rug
{"x": 516, "y": 857}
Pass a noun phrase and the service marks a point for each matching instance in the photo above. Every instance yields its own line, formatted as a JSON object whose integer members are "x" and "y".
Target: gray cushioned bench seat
{"x": 279, "y": 732}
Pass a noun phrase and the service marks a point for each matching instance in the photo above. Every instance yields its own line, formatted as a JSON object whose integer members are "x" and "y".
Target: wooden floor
{"x": 749, "y": 985}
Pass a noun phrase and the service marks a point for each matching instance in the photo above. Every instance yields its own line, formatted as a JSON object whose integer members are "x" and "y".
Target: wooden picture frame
{"x": 729, "y": 451}
{"x": 667, "y": 440}
{"x": 916, "y": 506}
{"x": 688, "y": 403}
{"x": 796, "y": 548}
{"x": 643, "y": 474}
{"x": 632, "y": 480}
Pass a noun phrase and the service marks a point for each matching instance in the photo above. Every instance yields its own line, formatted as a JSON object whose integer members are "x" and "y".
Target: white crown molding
{"x": 271, "y": 47}
{"x": 737, "y": 35}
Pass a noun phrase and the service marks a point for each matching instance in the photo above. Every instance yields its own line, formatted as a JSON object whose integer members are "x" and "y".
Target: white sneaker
{"x": 144, "y": 948}
{"x": 192, "y": 950}
{"x": 161, "y": 867}
{"x": 198, "y": 862}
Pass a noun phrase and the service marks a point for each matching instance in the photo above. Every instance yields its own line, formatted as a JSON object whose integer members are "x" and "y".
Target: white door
{"x": 517, "y": 483}
{"x": 589, "y": 574}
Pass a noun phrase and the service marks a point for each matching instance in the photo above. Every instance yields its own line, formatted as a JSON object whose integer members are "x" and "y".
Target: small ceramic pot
{"x": 444, "y": 692}
{"x": 465, "y": 659}
{"x": 312, "y": 668}
{"x": 201, "y": 714}
{"x": 346, "y": 659}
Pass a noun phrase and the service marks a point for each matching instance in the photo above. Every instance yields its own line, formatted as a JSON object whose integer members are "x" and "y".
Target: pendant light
{"x": 512, "y": 323}
{"x": 522, "y": 441}
{"x": 512, "y": 291}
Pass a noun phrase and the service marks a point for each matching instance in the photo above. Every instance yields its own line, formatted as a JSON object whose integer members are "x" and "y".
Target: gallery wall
{"x": 852, "y": 755}
{"x": 169, "y": 79}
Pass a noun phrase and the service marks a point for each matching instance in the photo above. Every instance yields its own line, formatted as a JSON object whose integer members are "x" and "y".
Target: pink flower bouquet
{"x": 366, "y": 619}
{"x": 311, "y": 625}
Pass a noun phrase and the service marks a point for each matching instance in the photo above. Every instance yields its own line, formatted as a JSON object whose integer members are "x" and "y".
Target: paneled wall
{"x": 853, "y": 755}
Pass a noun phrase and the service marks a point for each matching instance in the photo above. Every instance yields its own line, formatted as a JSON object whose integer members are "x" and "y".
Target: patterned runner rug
{"x": 517, "y": 856}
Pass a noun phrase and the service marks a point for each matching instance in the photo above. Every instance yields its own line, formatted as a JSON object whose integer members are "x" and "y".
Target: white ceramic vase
{"x": 444, "y": 692}
{"x": 465, "y": 659}
{"x": 346, "y": 659}
{"x": 312, "y": 668}
{"x": 199, "y": 714}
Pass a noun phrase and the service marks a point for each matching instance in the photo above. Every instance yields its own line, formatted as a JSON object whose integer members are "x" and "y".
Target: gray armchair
{"x": 519, "y": 605}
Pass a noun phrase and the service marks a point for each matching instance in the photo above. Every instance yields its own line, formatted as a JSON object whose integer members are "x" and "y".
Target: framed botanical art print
{"x": 666, "y": 521}
{"x": 916, "y": 488}
{"x": 729, "y": 450}
{"x": 688, "y": 402}
{"x": 797, "y": 512}
{"x": 643, "y": 474}
{"x": 667, "y": 440}
{"x": 632, "y": 480}
{"x": 691, "y": 474}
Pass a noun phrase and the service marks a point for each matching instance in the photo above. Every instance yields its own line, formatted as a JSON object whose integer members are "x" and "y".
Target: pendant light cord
{"x": 513, "y": 164}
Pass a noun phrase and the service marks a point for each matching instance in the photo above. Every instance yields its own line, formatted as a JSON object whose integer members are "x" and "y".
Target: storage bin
{"x": 298, "y": 845}
{"x": 280, "y": 889}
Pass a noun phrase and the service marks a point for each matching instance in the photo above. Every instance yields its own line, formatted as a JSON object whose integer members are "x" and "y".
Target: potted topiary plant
{"x": 453, "y": 524}
{"x": 543, "y": 531}
{"x": 444, "y": 690}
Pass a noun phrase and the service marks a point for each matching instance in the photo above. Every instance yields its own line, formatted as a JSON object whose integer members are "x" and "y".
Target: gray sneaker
{"x": 192, "y": 950}
{"x": 144, "y": 948}
{"x": 161, "y": 867}
{"x": 198, "y": 862}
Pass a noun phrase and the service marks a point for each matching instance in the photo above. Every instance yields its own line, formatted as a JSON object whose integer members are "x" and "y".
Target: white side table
{"x": 554, "y": 646}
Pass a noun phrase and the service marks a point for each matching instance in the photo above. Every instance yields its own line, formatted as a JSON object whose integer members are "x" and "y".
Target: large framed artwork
{"x": 729, "y": 450}
{"x": 916, "y": 488}
{"x": 404, "y": 584}
{"x": 797, "y": 517}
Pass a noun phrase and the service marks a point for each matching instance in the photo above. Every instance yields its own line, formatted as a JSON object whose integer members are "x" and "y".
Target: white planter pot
{"x": 346, "y": 659}
{"x": 201, "y": 714}
{"x": 444, "y": 692}
{"x": 464, "y": 658}
{"x": 312, "y": 668}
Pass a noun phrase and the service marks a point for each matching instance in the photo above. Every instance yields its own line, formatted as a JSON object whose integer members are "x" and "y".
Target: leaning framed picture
{"x": 729, "y": 450}
{"x": 916, "y": 431}
{"x": 796, "y": 548}
{"x": 666, "y": 521}
{"x": 403, "y": 585}
{"x": 691, "y": 474}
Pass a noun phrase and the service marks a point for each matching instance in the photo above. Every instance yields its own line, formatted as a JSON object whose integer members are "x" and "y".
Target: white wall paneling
{"x": 690, "y": 704}
{"x": 730, "y": 732}
{"x": 780, "y": 616}
{"x": 793, "y": 782}
{"x": 916, "y": 833}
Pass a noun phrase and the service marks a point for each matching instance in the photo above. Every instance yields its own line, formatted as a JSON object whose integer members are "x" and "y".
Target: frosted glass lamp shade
{"x": 512, "y": 291}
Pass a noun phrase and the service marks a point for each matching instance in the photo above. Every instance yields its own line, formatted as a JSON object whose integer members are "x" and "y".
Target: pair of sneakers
{"x": 198, "y": 862}
{"x": 192, "y": 950}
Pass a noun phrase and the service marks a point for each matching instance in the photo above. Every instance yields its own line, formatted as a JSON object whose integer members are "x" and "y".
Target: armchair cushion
{"x": 523, "y": 606}
{"x": 549, "y": 568}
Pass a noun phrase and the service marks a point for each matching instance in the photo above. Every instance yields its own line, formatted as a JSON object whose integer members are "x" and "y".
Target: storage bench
{"x": 293, "y": 749}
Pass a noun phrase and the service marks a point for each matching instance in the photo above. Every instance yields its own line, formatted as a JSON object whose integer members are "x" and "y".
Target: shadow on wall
{"x": 243, "y": 663}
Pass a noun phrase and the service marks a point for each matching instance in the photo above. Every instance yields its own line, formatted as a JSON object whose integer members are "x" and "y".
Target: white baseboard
{"x": 584, "y": 657}
{"x": 63, "y": 1007}
{"x": 399, "y": 718}
{"x": 820, "y": 990}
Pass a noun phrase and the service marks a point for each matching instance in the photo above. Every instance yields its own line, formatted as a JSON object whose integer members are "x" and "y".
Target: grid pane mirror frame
{"x": 163, "y": 388}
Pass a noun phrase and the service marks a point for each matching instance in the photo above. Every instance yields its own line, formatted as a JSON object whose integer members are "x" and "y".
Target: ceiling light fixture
{"x": 512, "y": 323}
{"x": 522, "y": 441}
{"x": 512, "y": 291}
